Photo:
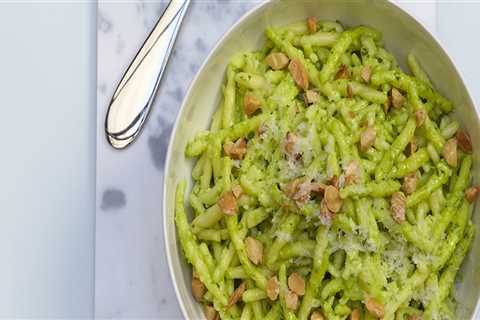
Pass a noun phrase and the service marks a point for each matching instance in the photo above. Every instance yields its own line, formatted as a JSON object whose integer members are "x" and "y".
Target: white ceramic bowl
{"x": 402, "y": 34}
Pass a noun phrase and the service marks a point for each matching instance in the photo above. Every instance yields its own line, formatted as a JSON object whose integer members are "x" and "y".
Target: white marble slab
{"x": 132, "y": 279}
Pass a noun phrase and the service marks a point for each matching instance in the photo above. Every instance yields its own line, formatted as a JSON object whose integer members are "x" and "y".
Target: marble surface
{"x": 132, "y": 279}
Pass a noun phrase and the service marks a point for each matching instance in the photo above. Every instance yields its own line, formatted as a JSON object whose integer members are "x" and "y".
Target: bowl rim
{"x": 220, "y": 41}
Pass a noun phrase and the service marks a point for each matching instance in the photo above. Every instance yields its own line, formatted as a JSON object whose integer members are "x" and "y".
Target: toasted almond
{"x": 420, "y": 116}
{"x": 273, "y": 288}
{"x": 334, "y": 181}
{"x": 366, "y": 73}
{"x": 310, "y": 97}
{"x": 236, "y": 150}
{"x": 349, "y": 90}
{"x": 318, "y": 187}
{"x": 297, "y": 70}
{"x": 236, "y": 295}
{"x": 342, "y": 73}
{"x": 237, "y": 191}
{"x": 386, "y": 106}
{"x": 210, "y": 313}
{"x": 296, "y": 284}
{"x": 291, "y": 188}
{"x": 289, "y": 144}
{"x": 198, "y": 289}
{"x": 277, "y": 60}
{"x": 291, "y": 300}
{"x": 332, "y": 199}
{"x": 472, "y": 193}
{"x": 464, "y": 142}
{"x": 375, "y": 308}
{"x": 228, "y": 203}
{"x": 254, "y": 250}
{"x": 251, "y": 104}
{"x": 326, "y": 216}
{"x": 317, "y": 315}
{"x": 412, "y": 147}
{"x": 398, "y": 204}
{"x": 367, "y": 138}
{"x": 355, "y": 315}
{"x": 450, "y": 152}
{"x": 312, "y": 24}
{"x": 397, "y": 98}
{"x": 409, "y": 183}
{"x": 352, "y": 172}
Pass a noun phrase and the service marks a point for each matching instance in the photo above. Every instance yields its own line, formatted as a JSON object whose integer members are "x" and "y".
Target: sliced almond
{"x": 397, "y": 98}
{"x": 342, "y": 73}
{"x": 236, "y": 295}
{"x": 472, "y": 193}
{"x": 228, "y": 203}
{"x": 296, "y": 284}
{"x": 412, "y": 147}
{"x": 317, "y": 315}
{"x": 198, "y": 289}
{"x": 312, "y": 24}
{"x": 277, "y": 60}
{"x": 450, "y": 152}
{"x": 210, "y": 313}
{"x": 386, "y": 106}
{"x": 291, "y": 188}
{"x": 352, "y": 172}
{"x": 332, "y": 199}
{"x": 237, "y": 191}
{"x": 375, "y": 308}
{"x": 291, "y": 300}
{"x": 326, "y": 216}
{"x": 398, "y": 203}
{"x": 409, "y": 183}
{"x": 366, "y": 73}
{"x": 273, "y": 288}
{"x": 349, "y": 90}
{"x": 289, "y": 144}
{"x": 311, "y": 96}
{"x": 464, "y": 142}
{"x": 297, "y": 70}
{"x": 254, "y": 250}
{"x": 318, "y": 187}
{"x": 236, "y": 150}
{"x": 334, "y": 181}
{"x": 355, "y": 315}
{"x": 420, "y": 116}
{"x": 251, "y": 104}
{"x": 367, "y": 138}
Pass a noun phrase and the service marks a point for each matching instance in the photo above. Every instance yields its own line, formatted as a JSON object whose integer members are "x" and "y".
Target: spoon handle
{"x": 134, "y": 95}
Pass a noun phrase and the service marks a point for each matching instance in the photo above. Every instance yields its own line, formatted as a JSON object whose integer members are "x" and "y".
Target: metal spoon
{"x": 132, "y": 100}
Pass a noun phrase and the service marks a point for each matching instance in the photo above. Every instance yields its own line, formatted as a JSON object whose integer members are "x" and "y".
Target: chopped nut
{"x": 237, "y": 191}
{"x": 236, "y": 150}
{"x": 273, "y": 288}
{"x": 386, "y": 106}
{"x": 277, "y": 60}
{"x": 254, "y": 250}
{"x": 332, "y": 199}
{"x": 471, "y": 193}
{"x": 198, "y": 289}
{"x": 375, "y": 308}
{"x": 296, "y": 284}
{"x": 210, "y": 313}
{"x": 450, "y": 152}
{"x": 342, "y": 73}
{"x": 464, "y": 142}
{"x": 228, "y": 203}
{"x": 409, "y": 183}
{"x": 289, "y": 144}
{"x": 297, "y": 70}
{"x": 352, "y": 173}
{"x": 310, "y": 97}
{"x": 349, "y": 90}
{"x": 412, "y": 147}
{"x": 326, "y": 216}
{"x": 318, "y": 187}
{"x": 355, "y": 315}
{"x": 420, "y": 116}
{"x": 367, "y": 138}
{"x": 366, "y": 73}
{"x": 317, "y": 315}
{"x": 334, "y": 181}
{"x": 291, "y": 300}
{"x": 312, "y": 24}
{"x": 236, "y": 295}
{"x": 291, "y": 188}
{"x": 397, "y": 98}
{"x": 251, "y": 104}
{"x": 397, "y": 205}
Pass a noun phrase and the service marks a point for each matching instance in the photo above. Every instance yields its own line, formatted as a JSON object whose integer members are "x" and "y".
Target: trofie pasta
{"x": 330, "y": 185}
